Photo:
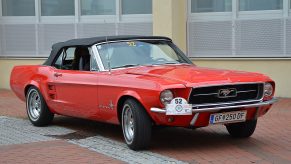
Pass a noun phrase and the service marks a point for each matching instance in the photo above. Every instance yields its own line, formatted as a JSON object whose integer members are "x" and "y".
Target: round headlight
{"x": 268, "y": 89}
{"x": 166, "y": 97}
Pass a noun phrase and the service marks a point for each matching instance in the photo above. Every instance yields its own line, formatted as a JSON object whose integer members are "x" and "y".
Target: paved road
{"x": 71, "y": 140}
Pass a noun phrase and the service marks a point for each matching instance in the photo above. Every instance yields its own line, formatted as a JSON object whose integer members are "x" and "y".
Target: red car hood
{"x": 192, "y": 76}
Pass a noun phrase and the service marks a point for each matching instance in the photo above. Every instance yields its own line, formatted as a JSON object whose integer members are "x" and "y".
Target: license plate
{"x": 228, "y": 117}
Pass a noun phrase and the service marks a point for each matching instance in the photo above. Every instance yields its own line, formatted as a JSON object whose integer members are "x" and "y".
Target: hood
{"x": 193, "y": 76}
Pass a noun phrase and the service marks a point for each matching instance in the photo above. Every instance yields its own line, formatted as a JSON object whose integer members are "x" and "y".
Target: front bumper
{"x": 218, "y": 107}
{"x": 210, "y": 108}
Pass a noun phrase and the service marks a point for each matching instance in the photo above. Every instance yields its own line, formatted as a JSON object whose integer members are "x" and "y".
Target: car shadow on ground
{"x": 163, "y": 138}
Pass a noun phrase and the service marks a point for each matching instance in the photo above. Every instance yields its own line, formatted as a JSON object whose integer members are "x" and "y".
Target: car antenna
{"x": 106, "y": 41}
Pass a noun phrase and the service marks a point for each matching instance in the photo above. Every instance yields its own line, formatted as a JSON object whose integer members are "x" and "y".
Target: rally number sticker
{"x": 179, "y": 106}
{"x": 131, "y": 44}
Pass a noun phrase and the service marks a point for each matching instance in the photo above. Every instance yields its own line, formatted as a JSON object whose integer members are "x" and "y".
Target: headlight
{"x": 166, "y": 97}
{"x": 268, "y": 90}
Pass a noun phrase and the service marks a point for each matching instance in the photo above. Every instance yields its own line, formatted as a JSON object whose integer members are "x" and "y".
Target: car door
{"x": 76, "y": 91}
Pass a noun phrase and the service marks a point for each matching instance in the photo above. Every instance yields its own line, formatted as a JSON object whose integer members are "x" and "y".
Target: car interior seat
{"x": 84, "y": 63}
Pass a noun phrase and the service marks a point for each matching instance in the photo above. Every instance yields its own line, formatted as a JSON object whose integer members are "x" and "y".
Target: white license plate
{"x": 229, "y": 117}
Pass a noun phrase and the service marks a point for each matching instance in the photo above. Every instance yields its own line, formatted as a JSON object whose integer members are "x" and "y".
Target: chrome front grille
{"x": 225, "y": 94}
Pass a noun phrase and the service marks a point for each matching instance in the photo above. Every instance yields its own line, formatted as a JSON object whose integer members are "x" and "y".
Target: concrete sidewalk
{"x": 71, "y": 140}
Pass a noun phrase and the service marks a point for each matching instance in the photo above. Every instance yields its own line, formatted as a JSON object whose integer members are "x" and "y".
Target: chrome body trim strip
{"x": 257, "y": 113}
{"x": 217, "y": 108}
{"x": 194, "y": 119}
{"x": 207, "y": 94}
{"x": 246, "y": 91}
{"x": 97, "y": 57}
{"x": 158, "y": 110}
{"x": 126, "y": 40}
{"x": 229, "y": 103}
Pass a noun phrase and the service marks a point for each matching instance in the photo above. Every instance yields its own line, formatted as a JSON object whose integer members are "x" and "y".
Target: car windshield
{"x": 134, "y": 53}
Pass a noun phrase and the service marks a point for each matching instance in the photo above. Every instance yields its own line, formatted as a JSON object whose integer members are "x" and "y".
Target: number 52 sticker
{"x": 179, "y": 106}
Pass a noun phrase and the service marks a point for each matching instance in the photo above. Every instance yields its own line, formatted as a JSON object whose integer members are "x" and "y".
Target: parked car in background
{"x": 140, "y": 82}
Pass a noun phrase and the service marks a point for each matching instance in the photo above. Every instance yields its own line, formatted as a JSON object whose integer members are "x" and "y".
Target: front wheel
{"x": 37, "y": 109}
{"x": 136, "y": 125}
{"x": 242, "y": 129}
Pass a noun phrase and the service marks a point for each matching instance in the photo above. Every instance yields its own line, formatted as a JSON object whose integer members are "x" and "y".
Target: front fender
{"x": 130, "y": 93}
{"x": 147, "y": 98}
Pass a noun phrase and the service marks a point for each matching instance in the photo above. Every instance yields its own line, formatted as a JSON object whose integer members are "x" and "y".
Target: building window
{"x": 98, "y": 7}
{"x": 253, "y": 5}
{"x": 57, "y": 7}
{"x": 136, "y": 6}
{"x": 18, "y": 8}
{"x": 256, "y": 28}
{"x": 34, "y": 25}
{"x": 200, "y": 6}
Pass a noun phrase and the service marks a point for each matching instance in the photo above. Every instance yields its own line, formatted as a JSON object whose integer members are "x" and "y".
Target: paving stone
{"x": 18, "y": 131}
{"x": 271, "y": 142}
{"x": 120, "y": 151}
{"x": 57, "y": 151}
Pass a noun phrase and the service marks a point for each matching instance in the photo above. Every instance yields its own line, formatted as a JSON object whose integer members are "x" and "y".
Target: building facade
{"x": 251, "y": 35}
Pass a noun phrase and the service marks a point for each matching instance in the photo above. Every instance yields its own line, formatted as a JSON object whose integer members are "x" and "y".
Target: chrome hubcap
{"x": 128, "y": 123}
{"x": 34, "y": 105}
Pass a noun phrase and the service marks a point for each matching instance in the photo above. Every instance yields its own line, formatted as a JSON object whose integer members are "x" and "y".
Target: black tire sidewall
{"x": 45, "y": 116}
{"x": 243, "y": 129}
{"x": 142, "y": 125}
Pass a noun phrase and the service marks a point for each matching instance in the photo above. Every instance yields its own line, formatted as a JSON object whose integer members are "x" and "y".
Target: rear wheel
{"x": 242, "y": 129}
{"x": 37, "y": 110}
{"x": 136, "y": 125}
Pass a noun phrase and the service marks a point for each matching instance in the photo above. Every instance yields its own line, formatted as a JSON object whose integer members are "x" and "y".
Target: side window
{"x": 76, "y": 58}
{"x": 58, "y": 62}
{"x": 66, "y": 59}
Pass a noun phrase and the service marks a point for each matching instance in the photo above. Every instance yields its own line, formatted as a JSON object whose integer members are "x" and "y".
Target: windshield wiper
{"x": 126, "y": 65}
{"x": 166, "y": 63}
{"x": 171, "y": 63}
{"x": 178, "y": 63}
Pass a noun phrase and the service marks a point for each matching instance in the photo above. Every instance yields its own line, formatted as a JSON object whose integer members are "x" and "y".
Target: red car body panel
{"x": 95, "y": 95}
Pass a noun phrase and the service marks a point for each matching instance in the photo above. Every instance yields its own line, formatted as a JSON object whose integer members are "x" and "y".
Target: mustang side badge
{"x": 179, "y": 106}
{"x": 109, "y": 106}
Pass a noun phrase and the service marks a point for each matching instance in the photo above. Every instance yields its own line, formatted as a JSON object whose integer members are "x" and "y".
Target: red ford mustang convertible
{"x": 140, "y": 82}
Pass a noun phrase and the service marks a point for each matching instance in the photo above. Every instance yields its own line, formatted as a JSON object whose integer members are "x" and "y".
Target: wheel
{"x": 37, "y": 110}
{"x": 242, "y": 129}
{"x": 136, "y": 125}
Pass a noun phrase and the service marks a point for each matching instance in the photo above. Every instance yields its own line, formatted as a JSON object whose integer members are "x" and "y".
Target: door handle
{"x": 57, "y": 74}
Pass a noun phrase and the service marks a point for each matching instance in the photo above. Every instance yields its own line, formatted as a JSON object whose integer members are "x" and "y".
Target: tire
{"x": 37, "y": 110}
{"x": 136, "y": 125}
{"x": 242, "y": 129}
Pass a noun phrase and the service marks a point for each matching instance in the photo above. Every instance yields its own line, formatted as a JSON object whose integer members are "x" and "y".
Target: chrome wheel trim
{"x": 128, "y": 123}
{"x": 33, "y": 104}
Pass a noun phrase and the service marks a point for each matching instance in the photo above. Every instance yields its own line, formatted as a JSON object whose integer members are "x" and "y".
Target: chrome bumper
{"x": 197, "y": 109}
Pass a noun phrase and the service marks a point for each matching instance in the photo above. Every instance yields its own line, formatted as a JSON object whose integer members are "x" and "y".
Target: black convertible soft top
{"x": 87, "y": 42}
